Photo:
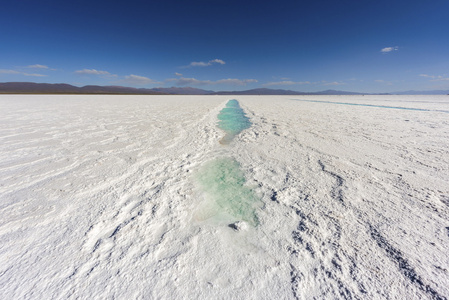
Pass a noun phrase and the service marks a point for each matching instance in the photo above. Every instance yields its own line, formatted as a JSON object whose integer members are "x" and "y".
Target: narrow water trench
{"x": 233, "y": 120}
{"x": 224, "y": 185}
{"x": 222, "y": 180}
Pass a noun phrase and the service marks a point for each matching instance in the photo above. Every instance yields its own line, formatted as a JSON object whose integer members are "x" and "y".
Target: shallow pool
{"x": 224, "y": 185}
{"x": 233, "y": 120}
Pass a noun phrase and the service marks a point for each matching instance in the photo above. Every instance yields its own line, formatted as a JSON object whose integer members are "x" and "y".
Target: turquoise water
{"x": 370, "y": 105}
{"x": 233, "y": 120}
{"x": 224, "y": 184}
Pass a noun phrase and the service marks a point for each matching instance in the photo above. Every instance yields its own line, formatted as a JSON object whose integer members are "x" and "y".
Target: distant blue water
{"x": 233, "y": 120}
{"x": 371, "y": 105}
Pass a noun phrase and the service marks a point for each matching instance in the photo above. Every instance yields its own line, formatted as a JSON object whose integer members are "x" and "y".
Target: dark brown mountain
{"x": 36, "y": 88}
{"x": 265, "y": 91}
{"x": 62, "y": 88}
{"x": 261, "y": 91}
{"x": 183, "y": 91}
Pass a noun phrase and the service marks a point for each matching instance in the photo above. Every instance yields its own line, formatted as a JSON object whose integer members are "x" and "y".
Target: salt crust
{"x": 97, "y": 195}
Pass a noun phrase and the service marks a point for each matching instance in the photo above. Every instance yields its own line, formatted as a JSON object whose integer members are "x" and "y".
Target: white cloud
{"x": 3, "y": 71}
{"x": 333, "y": 83}
{"x": 138, "y": 80}
{"x": 435, "y": 77}
{"x": 286, "y": 82}
{"x": 389, "y": 49}
{"x": 189, "y": 81}
{"x": 217, "y": 61}
{"x": 290, "y": 82}
{"x": 199, "y": 64}
{"x": 34, "y": 75}
{"x": 37, "y": 66}
{"x": 178, "y": 74}
{"x": 205, "y": 64}
{"x": 235, "y": 81}
{"x": 383, "y": 81}
{"x": 193, "y": 81}
{"x": 93, "y": 72}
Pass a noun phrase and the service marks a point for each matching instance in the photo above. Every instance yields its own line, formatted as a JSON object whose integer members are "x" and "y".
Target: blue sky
{"x": 362, "y": 46}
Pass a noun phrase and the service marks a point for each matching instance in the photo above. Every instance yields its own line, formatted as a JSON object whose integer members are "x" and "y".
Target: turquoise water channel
{"x": 222, "y": 181}
{"x": 233, "y": 120}
{"x": 371, "y": 105}
{"x": 224, "y": 185}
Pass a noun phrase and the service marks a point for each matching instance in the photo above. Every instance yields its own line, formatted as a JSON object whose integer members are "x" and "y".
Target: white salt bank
{"x": 108, "y": 197}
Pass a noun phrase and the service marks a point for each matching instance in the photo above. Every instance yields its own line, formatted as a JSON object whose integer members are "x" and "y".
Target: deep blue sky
{"x": 363, "y": 46}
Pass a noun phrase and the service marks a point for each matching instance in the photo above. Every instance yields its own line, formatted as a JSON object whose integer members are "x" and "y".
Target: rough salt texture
{"x": 98, "y": 196}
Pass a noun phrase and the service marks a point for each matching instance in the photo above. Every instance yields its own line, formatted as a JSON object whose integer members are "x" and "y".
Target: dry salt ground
{"x": 107, "y": 197}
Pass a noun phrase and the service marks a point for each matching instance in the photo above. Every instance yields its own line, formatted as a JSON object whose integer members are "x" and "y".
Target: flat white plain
{"x": 98, "y": 198}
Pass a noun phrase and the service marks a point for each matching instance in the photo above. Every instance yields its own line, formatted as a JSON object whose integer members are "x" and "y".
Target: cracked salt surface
{"x": 99, "y": 196}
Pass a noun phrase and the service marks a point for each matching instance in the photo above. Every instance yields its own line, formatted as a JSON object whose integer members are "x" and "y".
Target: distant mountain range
{"x": 62, "y": 88}
{"x": 264, "y": 91}
{"x": 434, "y": 92}
{"x": 182, "y": 91}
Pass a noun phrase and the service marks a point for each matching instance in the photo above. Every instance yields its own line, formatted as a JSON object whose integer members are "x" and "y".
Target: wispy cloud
{"x": 383, "y": 81}
{"x": 205, "y": 64}
{"x": 188, "y": 81}
{"x": 93, "y": 72}
{"x": 232, "y": 81}
{"x": 138, "y": 80}
{"x": 4, "y": 71}
{"x": 324, "y": 82}
{"x": 217, "y": 61}
{"x": 198, "y": 64}
{"x": 178, "y": 74}
{"x": 15, "y": 72}
{"x": 389, "y": 49}
{"x": 286, "y": 82}
{"x": 290, "y": 82}
{"x": 435, "y": 77}
{"x": 427, "y": 76}
{"x": 193, "y": 81}
{"x": 34, "y": 74}
{"x": 37, "y": 66}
